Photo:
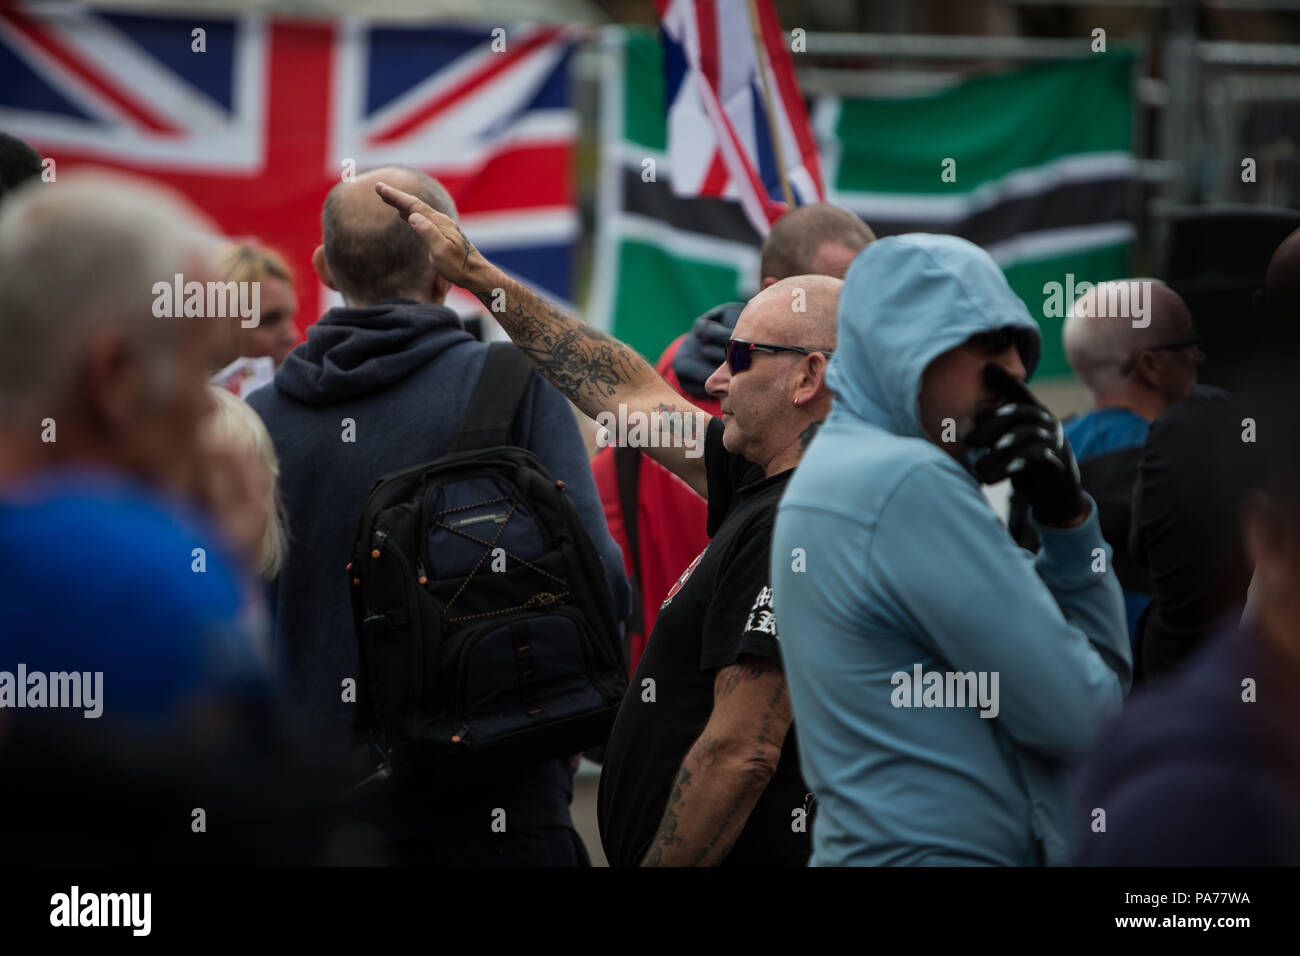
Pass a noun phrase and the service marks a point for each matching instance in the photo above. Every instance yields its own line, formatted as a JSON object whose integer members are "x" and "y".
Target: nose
{"x": 1011, "y": 361}
{"x": 719, "y": 382}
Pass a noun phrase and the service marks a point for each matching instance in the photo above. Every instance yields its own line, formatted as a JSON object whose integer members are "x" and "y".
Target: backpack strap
{"x": 627, "y": 467}
{"x": 495, "y": 403}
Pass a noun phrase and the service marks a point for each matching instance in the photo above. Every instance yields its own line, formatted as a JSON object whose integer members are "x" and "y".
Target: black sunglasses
{"x": 740, "y": 354}
{"x": 1194, "y": 342}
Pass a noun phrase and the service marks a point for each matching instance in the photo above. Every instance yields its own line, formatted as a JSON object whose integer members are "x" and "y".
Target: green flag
{"x": 1035, "y": 165}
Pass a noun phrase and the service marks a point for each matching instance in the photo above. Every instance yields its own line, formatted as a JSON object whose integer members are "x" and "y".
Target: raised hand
{"x": 1025, "y": 442}
{"x": 453, "y": 255}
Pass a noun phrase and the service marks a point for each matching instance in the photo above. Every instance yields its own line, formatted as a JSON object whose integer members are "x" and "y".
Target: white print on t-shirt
{"x": 761, "y": 618}
{"x": 682, "y": 580}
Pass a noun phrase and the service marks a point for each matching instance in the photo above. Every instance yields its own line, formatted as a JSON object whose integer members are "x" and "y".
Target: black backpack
{"x": 483, "y": 614}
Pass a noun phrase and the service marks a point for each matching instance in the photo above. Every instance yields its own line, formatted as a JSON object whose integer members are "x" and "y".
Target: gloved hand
{"x": 705, "y": 347}
{"x": 1025, "y": 443}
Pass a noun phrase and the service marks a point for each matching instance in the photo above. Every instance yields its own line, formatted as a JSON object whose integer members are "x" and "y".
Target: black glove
{"x": 705, "y": 347}
{"x": 1025, "y": 443}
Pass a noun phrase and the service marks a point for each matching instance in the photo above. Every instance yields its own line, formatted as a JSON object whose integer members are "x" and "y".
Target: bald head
{"x": 770, "y": 409}
{"x": 799, "y": 310}
{"x": 368, "y": 253}
{"x": 1110, "y": 325}
{"x": 818, "y": 239}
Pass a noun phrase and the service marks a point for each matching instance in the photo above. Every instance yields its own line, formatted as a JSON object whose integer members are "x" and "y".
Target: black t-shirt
{"x": 719, "y": 609}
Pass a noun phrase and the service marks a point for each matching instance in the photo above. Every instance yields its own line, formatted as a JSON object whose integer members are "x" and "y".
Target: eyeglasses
{"x": 996, "y": 341}
{"x": 740, "y": 354}
{"x": 1194, "y": 342}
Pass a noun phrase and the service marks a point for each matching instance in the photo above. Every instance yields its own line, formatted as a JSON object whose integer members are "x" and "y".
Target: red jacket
{"x": 670, "y": 517}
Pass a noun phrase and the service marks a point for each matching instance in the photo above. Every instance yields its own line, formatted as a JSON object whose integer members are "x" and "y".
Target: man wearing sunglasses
{"x": 701, "y": 766}
{"x": 940, "y": 675}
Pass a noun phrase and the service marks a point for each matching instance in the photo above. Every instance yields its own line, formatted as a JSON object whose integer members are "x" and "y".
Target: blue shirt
{"x": 98, "y": 573}
{"x": 1104, "y": 430}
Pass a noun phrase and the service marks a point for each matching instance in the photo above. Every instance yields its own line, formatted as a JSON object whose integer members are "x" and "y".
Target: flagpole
{"x": 757, "y": 26}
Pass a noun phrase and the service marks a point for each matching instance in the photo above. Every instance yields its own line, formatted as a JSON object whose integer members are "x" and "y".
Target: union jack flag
{"x": 735, "y": 114}
{"x": 257, "y": 126}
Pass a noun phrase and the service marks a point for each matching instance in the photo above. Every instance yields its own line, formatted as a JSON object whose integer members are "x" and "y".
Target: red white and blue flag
{"x": 257, "y": 127}
{"x": 720, "y": 141}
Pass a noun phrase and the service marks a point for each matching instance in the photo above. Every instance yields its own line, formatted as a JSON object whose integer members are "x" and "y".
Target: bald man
{"x": 1134, "y": 346}
{"x": 380, "y": 385}
{"x": 701, "y": 767}
{"x": 1134, "y": 370}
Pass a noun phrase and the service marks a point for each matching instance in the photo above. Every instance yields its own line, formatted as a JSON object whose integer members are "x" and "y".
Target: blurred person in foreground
{"x": 940, "y": 675}
{"x": 127, "y": 656}
{"x": 244, "y": 496}
{"x": 1204, "y": 770}
{"x": 18, "y": 163}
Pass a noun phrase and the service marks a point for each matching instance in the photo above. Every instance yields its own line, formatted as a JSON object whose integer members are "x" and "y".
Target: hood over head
{"x": 353, "y": 352}
{"x": 906, "y": 300}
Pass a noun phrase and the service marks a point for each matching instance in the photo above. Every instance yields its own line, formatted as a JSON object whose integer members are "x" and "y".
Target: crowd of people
{"x": 836, "y": 652}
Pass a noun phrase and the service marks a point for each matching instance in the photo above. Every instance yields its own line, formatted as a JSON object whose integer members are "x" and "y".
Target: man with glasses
{"x": 1135, "y": 370}
{"x": 701, "y": 767}
{"x": 1133, "y": 373}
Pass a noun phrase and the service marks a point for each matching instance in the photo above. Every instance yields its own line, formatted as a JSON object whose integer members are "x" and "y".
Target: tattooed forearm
{"x": 806, "y": 436}
{"x": 667, "y": 835}
{"x": 727, "y": 768}
{"x": 589, "y": 367}
{"x": 729, "y": 678}
{"x": 725, "y": 836}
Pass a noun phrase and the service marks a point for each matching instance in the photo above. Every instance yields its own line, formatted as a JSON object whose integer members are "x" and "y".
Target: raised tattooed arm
{"x": 595, "y": 371}
{"x": 727, "y": 768}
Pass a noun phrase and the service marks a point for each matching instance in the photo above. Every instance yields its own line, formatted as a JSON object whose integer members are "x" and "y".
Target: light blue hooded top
{"x": 904, "y": 563}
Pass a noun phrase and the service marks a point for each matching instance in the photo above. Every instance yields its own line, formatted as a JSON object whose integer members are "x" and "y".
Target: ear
{"x": 1147, "y": 370}
{"x": 767, "y": 281}
{"x": 112, "y": 384}
{"x": 322, "y": 270}
{"x": 440, "y": 288}
{"x": 810, "y": 378}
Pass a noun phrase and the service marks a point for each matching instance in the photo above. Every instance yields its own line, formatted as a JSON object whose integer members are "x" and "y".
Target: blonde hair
{"x": 249, "y": 262}
{"x": 235, "y": 421}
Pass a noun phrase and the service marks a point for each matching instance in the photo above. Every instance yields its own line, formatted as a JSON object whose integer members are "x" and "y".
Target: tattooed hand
{"x": 453, "y": 255}
{"x": 592, "y": 369}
